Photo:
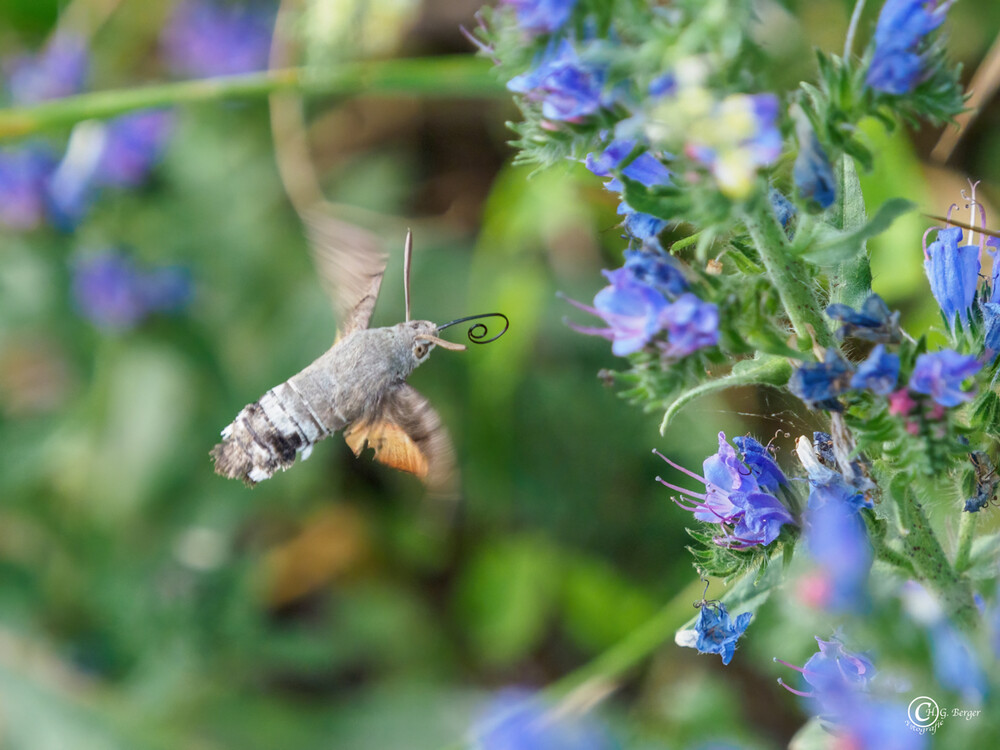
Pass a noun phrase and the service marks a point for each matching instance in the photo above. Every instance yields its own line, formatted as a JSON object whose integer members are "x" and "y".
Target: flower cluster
{"x": 647, "y": 297}
{"x": 741, "y": 495}
{"x": 35, "y": 184}
{"x": 819, "y": 384}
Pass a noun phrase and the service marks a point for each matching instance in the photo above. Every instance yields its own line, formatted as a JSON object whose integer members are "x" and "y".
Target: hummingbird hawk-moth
{"x": 359, "y": 384}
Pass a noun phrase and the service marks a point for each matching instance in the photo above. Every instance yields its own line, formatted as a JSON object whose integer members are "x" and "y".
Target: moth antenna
{"x": 407, "y": 255}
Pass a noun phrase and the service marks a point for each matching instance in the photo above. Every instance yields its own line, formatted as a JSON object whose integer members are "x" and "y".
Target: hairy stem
{"x": 883, "y": 551}
{"x": 788, "y": 274}
{"x": 925, "y": 552}
{"x": 456, "y": 75}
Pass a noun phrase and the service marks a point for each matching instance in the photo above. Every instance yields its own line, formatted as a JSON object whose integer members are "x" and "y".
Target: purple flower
{"x": 748, "y": 512}
{"x": 872, "y": 322}
{"x": 24, "y": 173}
{"x": 541, "y": 16}
{"x": 940, "y": 376}
{"x": 758, "y": 459}
{"x": 812, "y": 172}
{"x": 714, "y": 631}
{"x": 691, "y": 325}
{"x": 897, "y": 65}
{"x": 133, "y": 144}
{"x": 568, "y": 87}
{"x": 653, "y": 267}
{"x": 113, "y": 293}
{"x": 838, "y": 544}
{"x": 632, "y": 310}
{"x": 819, "y": 383}
{"x": 517, "y": 719}
{"x": 59, "y": 70}
{"x": 208, "y": 38}
{"x": 878, "y": 373}
{"x": 867, "y": 724}
{"x": 953, "y": 272}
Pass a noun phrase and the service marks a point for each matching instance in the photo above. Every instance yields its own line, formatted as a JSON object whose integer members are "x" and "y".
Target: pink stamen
{"x": 681, "y": 468}
{"x": 790, "y": 666}
{"x": 605, "y": 333}
{"x": 579, "y": 305}
{"x": 923, "y": 241}
{"x": 794, "y": 691}
{"x": 699, "y": 495}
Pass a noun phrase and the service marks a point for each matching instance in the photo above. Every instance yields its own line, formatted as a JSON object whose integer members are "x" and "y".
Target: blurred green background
{"x": 147, "y": 602}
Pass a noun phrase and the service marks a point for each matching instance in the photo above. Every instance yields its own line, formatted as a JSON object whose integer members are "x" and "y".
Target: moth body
{"x": 357, "y": 383}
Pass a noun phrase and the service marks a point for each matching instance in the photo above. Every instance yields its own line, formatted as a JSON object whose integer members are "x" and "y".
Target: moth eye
{"x": 420, "y": 350}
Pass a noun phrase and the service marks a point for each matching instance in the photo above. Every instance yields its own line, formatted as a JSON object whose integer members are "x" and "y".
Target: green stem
{"x": 454, "y": 76}
{"x": 966, "y": 534}
{"x": 621, "y": 658}
{"x": 921, "y": 546}
{"x": 788, "y": 275}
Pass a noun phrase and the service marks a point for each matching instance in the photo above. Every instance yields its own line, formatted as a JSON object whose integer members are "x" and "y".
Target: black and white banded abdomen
{"x": 268, "y": 434}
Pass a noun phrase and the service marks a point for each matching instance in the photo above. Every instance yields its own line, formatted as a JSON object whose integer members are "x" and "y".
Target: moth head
{"x": 425, "y": 334}
{"x": 422, "y": 337}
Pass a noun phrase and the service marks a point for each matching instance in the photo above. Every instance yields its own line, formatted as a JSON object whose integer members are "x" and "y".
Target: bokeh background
{"x": 147, "y": 603}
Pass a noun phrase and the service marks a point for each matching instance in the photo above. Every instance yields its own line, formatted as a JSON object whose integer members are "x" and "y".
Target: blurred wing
{"x": 349, "y": 263}
{"x": 409, "y": 436}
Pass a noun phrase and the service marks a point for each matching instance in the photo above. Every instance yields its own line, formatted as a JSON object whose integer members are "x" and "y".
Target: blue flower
{"x": 119, "y": 153}
{"x": 747, "y": 511}
{"x": 837, "y": 679}
{"x": 691, "y": 325}
{"x": 641, "y": 226}
{"x": 645, "y": 168}
{"x": 940, "y": 376}
{"x": 632, "y": 310}
{"x": 24, "y": 175}
{"x": 826, "y": 485}
{"x": 953, "y": 272}
{"x": 878, "y": 373}
{"x": 897, "y": 65}
{"x": 208, "y": 38}
{"x": 784, "y": 209}
{"x": 568, "y": 87}
{"x": 114, "y": 293}
{"x": 59, "y": 70}
{"x": 758, "y": 458}
{"x": 819, "y": 383}
{"x": 517, "y": 719}
{"x": 714, "y": 631}
{"x": 812, "y": 172}
{"x": 838, "y": 544}
{"x": 872, "y": 322}
{"x": 541, "y": 16}
{"x": 653, "y": 267}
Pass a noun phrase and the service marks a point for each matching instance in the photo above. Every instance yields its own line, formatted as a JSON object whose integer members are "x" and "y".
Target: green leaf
{"x": 840, "y": 247}
{"x": 852, "y": 282}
